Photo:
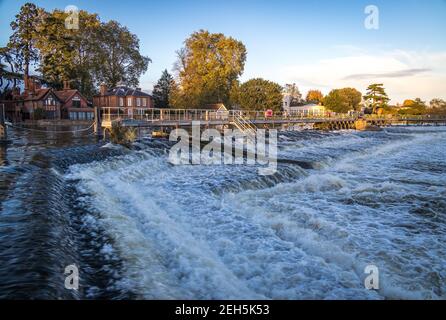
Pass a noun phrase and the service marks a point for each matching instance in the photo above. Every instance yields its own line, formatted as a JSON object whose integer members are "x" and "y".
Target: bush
{"x": 122, "y": 135}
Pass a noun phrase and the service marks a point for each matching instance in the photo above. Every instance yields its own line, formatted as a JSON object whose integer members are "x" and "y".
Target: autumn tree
{"x": 376, "y": 97}
{"x": 162, "y": 90}
{"x": 414, "y": 107}
{"x": 208, "y": 66}
{"x": 260, "y": 94}
{"x": 22, "y": 42}
{"x": 353, "y": 98}
{"x": 314, "y": 96}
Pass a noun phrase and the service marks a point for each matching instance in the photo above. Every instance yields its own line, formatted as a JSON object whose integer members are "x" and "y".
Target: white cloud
{"x": 405, "y": 74}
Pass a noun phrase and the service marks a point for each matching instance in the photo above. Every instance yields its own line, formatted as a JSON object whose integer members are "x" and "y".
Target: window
{"x": 76, "y": 102}
{"x": 49, "y": 101}
{"x": 121, "y": 102}
{"x": 144, "y": 102}
{"x": 129, "y": 102}
{"x": 138, "y": 102}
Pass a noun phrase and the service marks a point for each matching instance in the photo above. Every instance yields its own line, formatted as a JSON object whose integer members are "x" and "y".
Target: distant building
{"x": 216, "y": 111}
{"x": 306, "y": 110}
{"x": 123, "y": 99}
{"x": 37, "y": 103}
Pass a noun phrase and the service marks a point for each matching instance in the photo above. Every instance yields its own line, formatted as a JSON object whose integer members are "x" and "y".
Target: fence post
{"x": 97, "y": 122}
{"x": 3, "y": 132}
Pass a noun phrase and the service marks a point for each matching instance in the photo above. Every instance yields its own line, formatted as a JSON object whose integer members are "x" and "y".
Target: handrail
{"x": 243, "y": 118}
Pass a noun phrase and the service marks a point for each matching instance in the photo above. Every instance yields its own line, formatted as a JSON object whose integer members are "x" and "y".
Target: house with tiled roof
{"x": 123, "y": 99}
{"x": 37, "y": 103}
{"x": 74, "y": 105}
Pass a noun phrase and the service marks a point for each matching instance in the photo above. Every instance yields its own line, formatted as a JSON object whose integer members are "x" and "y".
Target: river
{"x": 138, "y": 227}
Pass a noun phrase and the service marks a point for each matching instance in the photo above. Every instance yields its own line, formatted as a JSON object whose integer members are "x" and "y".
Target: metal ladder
{"x": 245, "y": 126}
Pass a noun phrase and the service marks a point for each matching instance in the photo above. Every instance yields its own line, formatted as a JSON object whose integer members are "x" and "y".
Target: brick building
{"x": 36, "y": 103}
{"x": 127, "y": 100}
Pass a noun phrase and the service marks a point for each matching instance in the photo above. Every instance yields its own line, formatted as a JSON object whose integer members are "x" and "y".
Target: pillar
{"x": 97, "y": 122}
{"x": 3, "y": 132}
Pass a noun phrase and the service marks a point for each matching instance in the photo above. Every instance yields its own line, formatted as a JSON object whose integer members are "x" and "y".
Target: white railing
{"x": 244, "y": 119}
{"x": 244, "y": 125}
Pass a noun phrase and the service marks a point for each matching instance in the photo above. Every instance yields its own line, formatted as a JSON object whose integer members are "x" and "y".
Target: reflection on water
{"x": 139, "y": 227}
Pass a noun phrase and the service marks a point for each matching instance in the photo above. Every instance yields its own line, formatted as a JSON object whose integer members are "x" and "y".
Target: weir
{"x": 248, "y": 121}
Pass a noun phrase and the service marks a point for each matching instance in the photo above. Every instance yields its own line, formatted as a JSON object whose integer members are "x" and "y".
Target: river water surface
{"x": 138, "y": 227}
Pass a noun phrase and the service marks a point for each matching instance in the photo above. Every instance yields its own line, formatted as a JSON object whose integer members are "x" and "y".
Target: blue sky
{"x": 316, "y": 44}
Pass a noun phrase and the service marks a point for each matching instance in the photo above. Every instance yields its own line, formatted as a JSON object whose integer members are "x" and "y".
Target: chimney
{"x": 26, "y": 83}
{"x": 15, "y": 92}
{"x": 66, "y": 85}
{"x": 138, "y": 89}
{"x": 103, "y": 89}
{"x": 31, "y": 86}
{"x": 37, "y": 85}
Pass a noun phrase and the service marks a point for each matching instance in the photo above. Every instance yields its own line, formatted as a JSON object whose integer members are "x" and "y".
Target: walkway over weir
{"x": 156, "y": 118}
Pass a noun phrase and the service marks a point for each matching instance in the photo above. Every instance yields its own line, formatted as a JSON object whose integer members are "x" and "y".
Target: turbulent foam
{"x": 306, "y": 234}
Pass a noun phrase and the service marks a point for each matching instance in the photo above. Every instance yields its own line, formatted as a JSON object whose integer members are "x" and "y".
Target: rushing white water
{"x": 223, "y": 232}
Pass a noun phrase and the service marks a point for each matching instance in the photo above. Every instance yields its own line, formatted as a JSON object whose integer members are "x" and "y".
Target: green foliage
{"x": 376, "y": 97}
{"x": 208, "y": 67}
{"x": 22, "y": 42}
{"x": 162, "y": 90}
{"x": 259, "y": 94}
{"x": 68, "y": 54}
{"x": 314, "y": 96}
{"x": 117, "y": 57}
{"x": 343, "y": 100}
{"x": 337, "y": 102}
{"x": 96, "y": 52}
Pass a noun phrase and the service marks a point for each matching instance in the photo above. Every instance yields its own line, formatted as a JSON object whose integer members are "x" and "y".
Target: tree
{"x": 376, "y": 96}
{"x": 25, "y": 28}
{"x": 414, "y": 107}
{"x": 162, "y": 90}
{"x": 353, "y": 98}
{"x": 10, "y": 76}
{"x": 337, "y": 101}
{"x": 117, "y": 57}
{"x": 208, "y": 66}
{"x": 69, "y": 54}
{"x": 437, "y": 103}
{"x": 260, "y": 94}
{"x": 293, "y": 91}
{"x": 314, "y": 96}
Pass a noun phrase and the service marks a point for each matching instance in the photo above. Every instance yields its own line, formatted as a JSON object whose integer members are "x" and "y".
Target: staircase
{"x": 245, "y": 126}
